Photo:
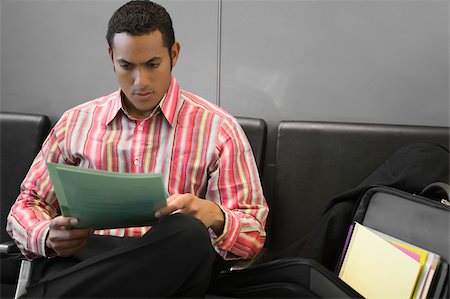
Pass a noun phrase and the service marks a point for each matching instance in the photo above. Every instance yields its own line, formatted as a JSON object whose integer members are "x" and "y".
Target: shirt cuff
{"x": 231, "y": 230}
{"x": 37, "y": 237}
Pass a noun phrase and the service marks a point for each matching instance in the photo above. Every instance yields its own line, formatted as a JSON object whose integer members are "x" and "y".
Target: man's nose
{"x": 141, "y": 78}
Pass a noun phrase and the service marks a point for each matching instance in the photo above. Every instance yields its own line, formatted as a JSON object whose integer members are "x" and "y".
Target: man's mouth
{"x": 142, "y": 95}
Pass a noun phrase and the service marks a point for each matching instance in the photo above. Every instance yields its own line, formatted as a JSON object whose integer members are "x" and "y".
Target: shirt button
{"x": 140, "y": 128}
{"x": 136, "y": 162}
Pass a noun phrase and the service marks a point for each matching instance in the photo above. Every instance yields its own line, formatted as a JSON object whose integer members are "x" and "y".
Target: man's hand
{"x": 204, "y": 210}
{"x": 66, "y": 242}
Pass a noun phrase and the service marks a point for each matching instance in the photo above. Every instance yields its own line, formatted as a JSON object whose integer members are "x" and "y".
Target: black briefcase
{"x": 284, "y": 278}
{"x": 422, "y": 220}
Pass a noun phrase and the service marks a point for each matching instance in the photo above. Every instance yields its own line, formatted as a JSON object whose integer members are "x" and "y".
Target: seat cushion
{"x": 21, "y": 139}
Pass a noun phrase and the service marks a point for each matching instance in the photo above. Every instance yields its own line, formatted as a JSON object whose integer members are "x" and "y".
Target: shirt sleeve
{"x": 236, "y": 186}
{"x": 29, "y": 218}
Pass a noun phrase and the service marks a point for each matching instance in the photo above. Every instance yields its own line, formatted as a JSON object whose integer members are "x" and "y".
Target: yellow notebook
{"x": 377, "y": 269}
{"x": 424, "y": 257}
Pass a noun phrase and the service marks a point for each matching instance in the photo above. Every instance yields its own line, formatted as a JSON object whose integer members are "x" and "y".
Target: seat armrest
{"x": 241, "y": 265}
{"x": 263, "y": 257}
{"x": 9, "y": 248}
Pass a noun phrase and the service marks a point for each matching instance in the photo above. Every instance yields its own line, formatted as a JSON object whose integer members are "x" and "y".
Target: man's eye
{"x": 125, "y": 66}
{"x": 153, "y": 65}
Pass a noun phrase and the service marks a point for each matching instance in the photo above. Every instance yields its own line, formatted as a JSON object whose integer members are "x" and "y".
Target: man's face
{"x": 143, "y": 69}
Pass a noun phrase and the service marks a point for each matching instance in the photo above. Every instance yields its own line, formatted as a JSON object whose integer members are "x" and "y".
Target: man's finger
{"x": 174, "y": 203}
{"x": 70, "y": 251}
{"x": 179, "y": 203}
{"x": 61, "y": 222}
{"x": 164, "y": 211}
{"x": 79, "y": 233}
{"x": 69, "y": 244}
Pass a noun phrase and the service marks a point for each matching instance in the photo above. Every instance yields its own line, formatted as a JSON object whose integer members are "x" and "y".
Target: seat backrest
{"x": 318, "y": 160}
{"x": 21, "y": 138}
{"x": 256, "y": 131}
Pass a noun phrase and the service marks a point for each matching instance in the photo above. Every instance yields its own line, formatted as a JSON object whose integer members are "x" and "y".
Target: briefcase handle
{"x": 438, "y": 191}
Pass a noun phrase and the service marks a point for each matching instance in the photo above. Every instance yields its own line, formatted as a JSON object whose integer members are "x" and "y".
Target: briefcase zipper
{"x": 445, "y": 202}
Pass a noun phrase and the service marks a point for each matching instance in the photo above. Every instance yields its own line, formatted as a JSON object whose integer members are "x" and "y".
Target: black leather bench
{"x": 314, "y": 162}
{"x": 21, "y": 138}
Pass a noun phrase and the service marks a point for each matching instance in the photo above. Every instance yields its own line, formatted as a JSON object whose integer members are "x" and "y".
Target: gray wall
{"x": 54, "y": 53}
{"x": 380, "y": 61}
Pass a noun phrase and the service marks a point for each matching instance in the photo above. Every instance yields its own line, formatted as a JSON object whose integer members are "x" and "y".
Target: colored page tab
{"x": 412, "y": 254}
{"x": 416, "y": 253}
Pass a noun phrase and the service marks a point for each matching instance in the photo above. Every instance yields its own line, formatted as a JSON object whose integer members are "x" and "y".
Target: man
{"x": 216, "y": 205}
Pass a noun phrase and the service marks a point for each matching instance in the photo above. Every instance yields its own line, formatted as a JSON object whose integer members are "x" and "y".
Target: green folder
{"x": 101, "y": 199}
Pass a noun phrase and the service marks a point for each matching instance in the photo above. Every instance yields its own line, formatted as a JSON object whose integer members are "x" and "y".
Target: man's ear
{"x": 111, "y": 55}
{"x": 175, "y": 53}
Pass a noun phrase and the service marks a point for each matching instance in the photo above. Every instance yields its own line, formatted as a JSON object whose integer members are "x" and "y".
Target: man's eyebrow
{"x": 155, "y": 59}
{"x": 121, "y": 60}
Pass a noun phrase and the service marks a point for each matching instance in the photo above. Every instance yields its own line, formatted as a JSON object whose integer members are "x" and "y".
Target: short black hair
{"x": 139, "y": 17}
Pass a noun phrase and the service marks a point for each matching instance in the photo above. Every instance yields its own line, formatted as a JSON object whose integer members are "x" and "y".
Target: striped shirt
{"x": 196, "y": 146}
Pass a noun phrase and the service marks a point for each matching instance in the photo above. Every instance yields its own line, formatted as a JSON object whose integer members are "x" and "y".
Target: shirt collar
{"x": 116, "y": 105}
{"x": 168, "y": 103}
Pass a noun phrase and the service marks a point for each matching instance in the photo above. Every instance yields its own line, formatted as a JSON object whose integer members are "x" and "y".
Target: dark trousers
{"x": 174, "y": 259}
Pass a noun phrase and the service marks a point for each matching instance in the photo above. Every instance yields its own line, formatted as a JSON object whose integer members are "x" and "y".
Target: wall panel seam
{"x": 219, "y": 50}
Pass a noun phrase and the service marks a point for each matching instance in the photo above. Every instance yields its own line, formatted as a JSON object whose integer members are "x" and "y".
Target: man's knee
{"x": 189, "y": 232}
